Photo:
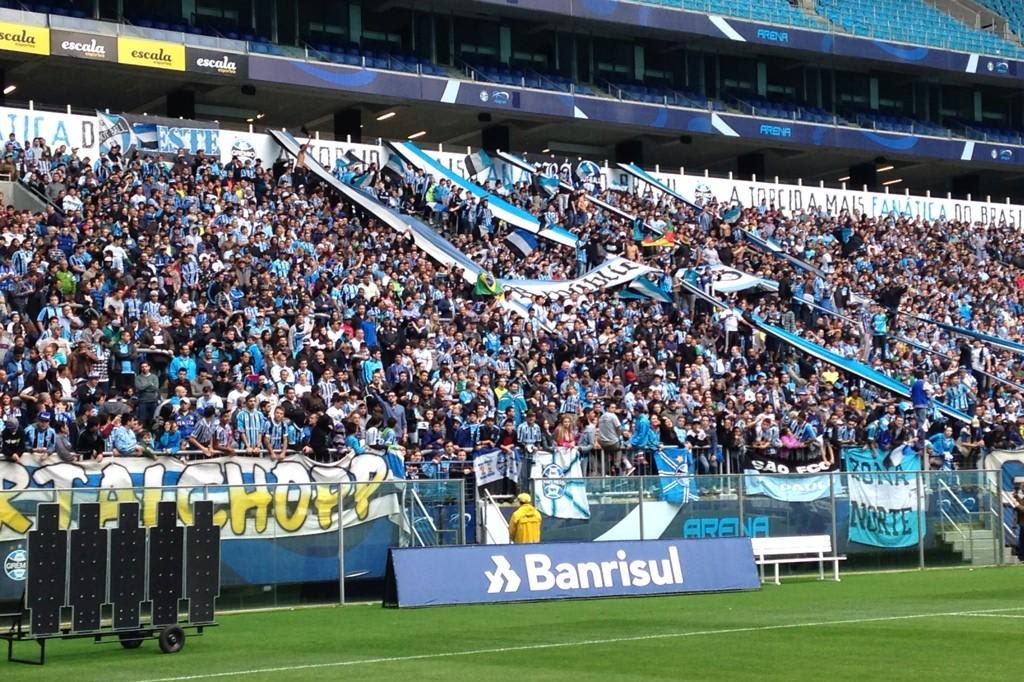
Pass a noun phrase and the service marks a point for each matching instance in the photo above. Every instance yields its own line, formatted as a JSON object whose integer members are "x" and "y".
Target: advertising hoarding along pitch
{"x": 510, "y": 573}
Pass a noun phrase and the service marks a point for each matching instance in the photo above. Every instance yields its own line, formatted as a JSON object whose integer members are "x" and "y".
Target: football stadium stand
{"x": 912, "y": 21}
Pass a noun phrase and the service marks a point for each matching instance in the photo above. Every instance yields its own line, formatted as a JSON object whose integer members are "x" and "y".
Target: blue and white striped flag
{"x": 149, "y": 136}
{"x": 522, "y": 242}
{"x": 549, "y": 184}
{"x": 477, "y": 163}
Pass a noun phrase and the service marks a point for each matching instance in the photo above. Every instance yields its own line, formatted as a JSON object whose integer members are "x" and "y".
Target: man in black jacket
{"x": 90, "y": 441}
{"x": 11, "y": 441}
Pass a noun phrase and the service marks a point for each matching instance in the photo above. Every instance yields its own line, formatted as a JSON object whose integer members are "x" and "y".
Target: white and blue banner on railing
{"x": 559, "y": 487}
{"x": 886, "y": 505}
{"x": 510, "y": 573}
{"x": 495, "y": 464}
{"x": 676, "y": 474}
{"x": 787, "y": 488}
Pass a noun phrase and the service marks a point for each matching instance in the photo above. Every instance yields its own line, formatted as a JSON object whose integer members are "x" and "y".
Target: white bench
{"x": 796, "y": 549}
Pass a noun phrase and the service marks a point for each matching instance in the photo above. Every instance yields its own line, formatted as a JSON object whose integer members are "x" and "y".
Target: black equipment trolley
{"x": 125, "y": 584}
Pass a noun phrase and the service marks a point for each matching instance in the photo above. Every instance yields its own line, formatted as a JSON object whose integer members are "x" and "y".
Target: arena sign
{"x": 488, "y": 573}
{"x": 254, "y": 497}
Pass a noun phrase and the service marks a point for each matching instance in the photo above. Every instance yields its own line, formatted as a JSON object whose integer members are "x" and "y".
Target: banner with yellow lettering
{"x": 253, "y": 497}
{"x": 156, "y": 54}
{"x": 23, "y": 38}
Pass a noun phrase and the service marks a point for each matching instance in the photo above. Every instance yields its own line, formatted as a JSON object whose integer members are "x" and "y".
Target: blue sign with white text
{"x": 510, "y": 573}
{"x": 887, "y": 503}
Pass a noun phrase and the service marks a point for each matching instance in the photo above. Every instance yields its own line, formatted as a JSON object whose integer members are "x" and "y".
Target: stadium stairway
{"x": 977, "y": 546}
{"x": 21, "y": 197}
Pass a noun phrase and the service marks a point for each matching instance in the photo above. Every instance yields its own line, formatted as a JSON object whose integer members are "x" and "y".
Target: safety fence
{"x": 879, "y": 519}
{"x": 283, "y": 543}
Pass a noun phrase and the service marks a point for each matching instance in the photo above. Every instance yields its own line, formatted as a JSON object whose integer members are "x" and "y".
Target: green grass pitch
{"x": 933, "y": 625}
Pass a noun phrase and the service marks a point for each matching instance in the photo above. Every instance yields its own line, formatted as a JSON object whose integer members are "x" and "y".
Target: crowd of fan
{"x": 196, "y": 308}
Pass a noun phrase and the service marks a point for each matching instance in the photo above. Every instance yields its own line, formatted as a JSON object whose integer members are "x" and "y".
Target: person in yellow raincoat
{"x": 524, "y": 526}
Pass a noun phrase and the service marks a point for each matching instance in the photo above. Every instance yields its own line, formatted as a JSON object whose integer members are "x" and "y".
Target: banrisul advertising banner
{"x": 886, "y": 509}
{"x": 485, "y": 574}
{"x": 94, "y": 47}
{"x": 216, "y": 62}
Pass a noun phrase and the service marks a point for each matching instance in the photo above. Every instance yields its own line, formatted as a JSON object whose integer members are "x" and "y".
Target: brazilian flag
{"x": 487, "y": 285}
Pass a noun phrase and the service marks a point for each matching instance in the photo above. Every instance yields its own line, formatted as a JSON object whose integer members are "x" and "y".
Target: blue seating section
{"x": 981, "y": 131}
{"x": 790, "y": 110}
{"x": 354, "y": 55}
{"x": 640, "y": 92}
{"x": 770, "y": 11}
{"x": 912, "y": 21}
{"x": 499, "y": 73}
{"x": 898, "y": 123}
{"x": 1013, "y": 10}
{"x": 46, "y": 8}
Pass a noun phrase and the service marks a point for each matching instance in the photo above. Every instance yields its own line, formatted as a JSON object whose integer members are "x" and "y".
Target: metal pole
{"x": 832, "y": 506}
{"x": 641, "y": 507}
{"x": 998, "y": 536}
{"x": 920, "y": 536}
{"x": 341, "y": 545}
{"x": 462, "y": 512}
{"x": 739, "y": 500}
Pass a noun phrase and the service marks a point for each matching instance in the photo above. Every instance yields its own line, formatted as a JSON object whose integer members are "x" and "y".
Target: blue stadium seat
{"x": 918, "y": 22}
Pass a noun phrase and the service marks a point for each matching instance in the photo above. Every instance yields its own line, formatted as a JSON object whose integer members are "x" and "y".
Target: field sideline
{"x": 944, "y": 624}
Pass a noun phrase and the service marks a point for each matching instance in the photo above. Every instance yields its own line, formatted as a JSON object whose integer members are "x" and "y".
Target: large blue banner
{"x": 509, "y": 573}
{"x": 886, "y": 505}
{"x": 787, "y": 488}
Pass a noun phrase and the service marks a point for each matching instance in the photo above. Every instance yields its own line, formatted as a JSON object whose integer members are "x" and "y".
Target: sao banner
{"x": 493, "y": 465}
{"x": 559, "y": 488}
{"x": 787, "y": 488}
{"x": 886, "y": 509}
{"x": 675, "y": 471}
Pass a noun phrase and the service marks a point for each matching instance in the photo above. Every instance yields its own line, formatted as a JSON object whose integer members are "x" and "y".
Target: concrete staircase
{"x": 21, "y": 197}
{"x": 977, "y": 546}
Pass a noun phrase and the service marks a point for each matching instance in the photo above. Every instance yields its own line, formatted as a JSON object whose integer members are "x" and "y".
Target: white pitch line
{"x": 991, "y": 615}
{"x": 586, "y": 642}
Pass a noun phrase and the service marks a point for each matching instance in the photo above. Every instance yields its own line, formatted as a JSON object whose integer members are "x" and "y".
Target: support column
{"x": 749, "y": 165}
{"x": 494, "y": 138}
{"x": 347, "y": 124}
{"x": 181, "y": 103}
{"x": 863, "y": 174}
{"x": 630, "y": 151}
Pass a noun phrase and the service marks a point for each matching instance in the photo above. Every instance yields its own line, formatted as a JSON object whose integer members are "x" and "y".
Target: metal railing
{"x": 652, "y": 507}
